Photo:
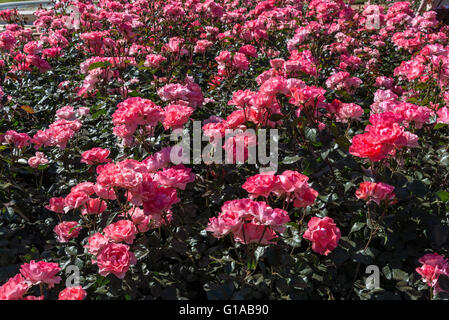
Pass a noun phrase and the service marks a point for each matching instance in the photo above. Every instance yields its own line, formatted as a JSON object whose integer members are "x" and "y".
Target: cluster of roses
{"x": 143, "y": 115}
{"x": 99, "y": 69}
{"x": 252, "y": 221}
{"x": 248, "y": 221}
{"x": 150, "y": 190}
{"x": 290, "y": 184}
{"x": 37, "y": 273}
{"x": 382, "y": 138}
{"x": 58, "y": 134}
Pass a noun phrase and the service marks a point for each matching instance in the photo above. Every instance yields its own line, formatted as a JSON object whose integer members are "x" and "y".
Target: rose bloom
{"x": 72, "y": 293}
{"x": 76, "y": 199}
{"x": 115, "y": 258}
{"x": 377, "y": 192}
{"x": 254, "y": 233}
{"x": 41, "y": 272}
{"x": 139, "y": 218}
{"x": 261, "y": 185}
{"x": 176, "y": 116}
{"x": 67, "y": 230}
{"x": 122, "y": 230}
{"x": 175, "y": 177}
{"x": 324, "y": 235}
{"x": 95, "y": 155}
{"x": 96, "y": 242}
{"x": 443, "y": 115}
{"x": 56, "y": 205}
{"x": 94, "y": 206}
{"x": 66, "y": 113}
{"x": 432, "y": 266}
{"x": 37, "y": 160}
{"x": 14, "y": 288}
{"x": 82, "y": 111}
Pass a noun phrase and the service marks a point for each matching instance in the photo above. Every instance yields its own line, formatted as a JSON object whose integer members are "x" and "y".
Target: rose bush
{"x": 91, "y": 98}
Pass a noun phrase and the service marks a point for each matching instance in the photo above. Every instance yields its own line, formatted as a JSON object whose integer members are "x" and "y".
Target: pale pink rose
{"x": 37, "y": 160}
{"x": 66, "y": 113}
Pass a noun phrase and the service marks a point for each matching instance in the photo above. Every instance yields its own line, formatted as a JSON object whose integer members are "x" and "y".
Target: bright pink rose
{"x": 72, "y": 293}
{"x": 139, "y": 218}
{"x": 95, "y": 155}
{"x": 261, "y": 185}
{"x": 324, "y": 235}
{"x": 67, "y": 230}
{"x": 20, "y": 140}
{"x": 56, "y": 205}
{"x": 14, "y": 288}
{"x": 104, "y": 192}
{"x": 432, "y": 266}
{"x": 41, "y": 272}
{"x": 76, "y": 199}
{"x": 122, "y": 230}
{"x": 443, "y": 115}
{"x": 176, "y": 116}
{"x": 115, "y": 258}
{"x": 94, "y": 206}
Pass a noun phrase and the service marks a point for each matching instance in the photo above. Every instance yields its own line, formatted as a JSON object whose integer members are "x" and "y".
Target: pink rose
{"x": 66, "y": 113}
{"x": 67, "y": 230}
{"x": 261, "y": 185}
{"x": 96, "y": 242}
{"x": 14, "y": 288}
{"x": 94, "y": 206}
{"x": 95, "y": 155}
{"x": 41, "y": 272}
{"x": 377, "y": 192}
{"x": 72, "y": 293}
{"x": 37, "y": 160}
{"x": 115, "y": 258}
{"x": 176, "y": 116}
{"x": 76, "y": 199}
{"x": 56, "y": 205}
{"x": 122, "y": 230}
{"x": 433, "y": 265}
{"x": 324, "y": 235}
{"x": 175, "y": 177}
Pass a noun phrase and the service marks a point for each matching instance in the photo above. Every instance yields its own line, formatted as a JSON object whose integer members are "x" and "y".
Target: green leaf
{"x": 99, "y": 64}
{"x": 439, "y": 125}
{"x": 443, "y": 195}
{"x": 357, "y": 226}
{"x": 291, "y": 159}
